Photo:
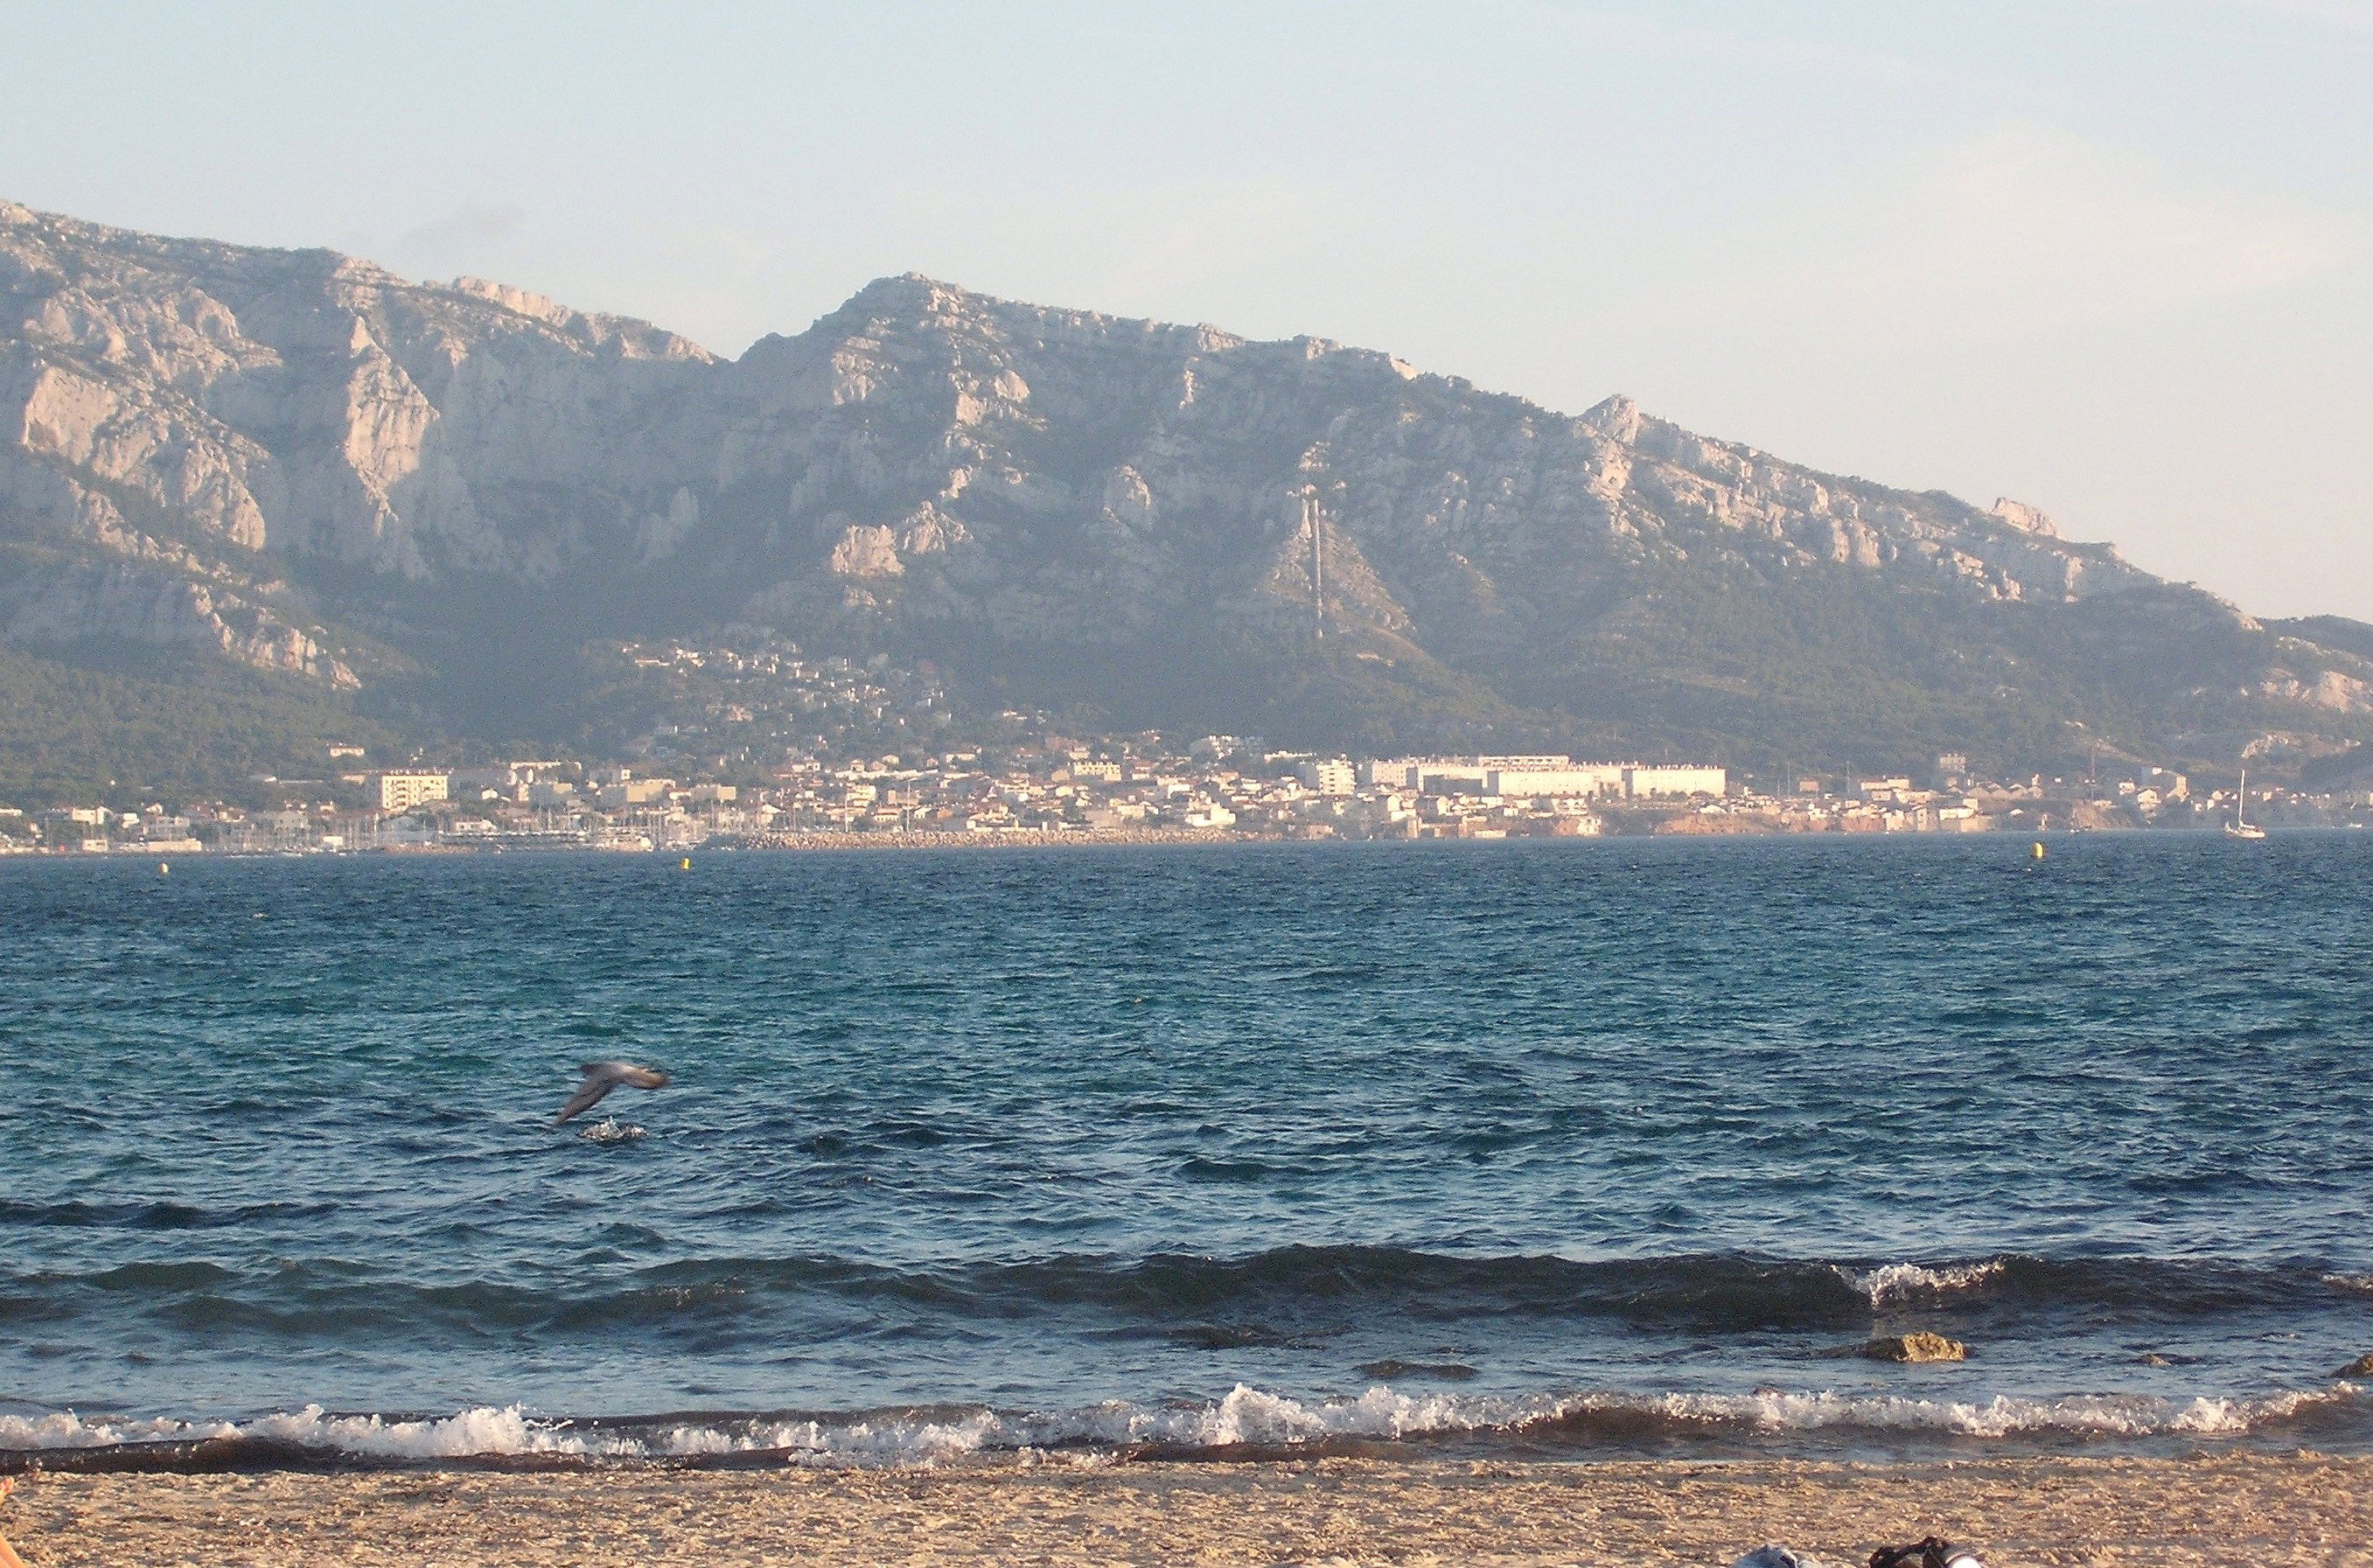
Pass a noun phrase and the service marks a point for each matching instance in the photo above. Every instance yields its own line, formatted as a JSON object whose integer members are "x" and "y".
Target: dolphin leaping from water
{"x": 600, "y": 1077}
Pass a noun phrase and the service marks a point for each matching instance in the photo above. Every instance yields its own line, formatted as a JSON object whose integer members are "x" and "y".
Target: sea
{"x": 1580, "y": 1149}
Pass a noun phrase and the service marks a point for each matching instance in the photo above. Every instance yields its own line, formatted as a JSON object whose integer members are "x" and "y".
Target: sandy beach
{"x": 2222, "y": 1509}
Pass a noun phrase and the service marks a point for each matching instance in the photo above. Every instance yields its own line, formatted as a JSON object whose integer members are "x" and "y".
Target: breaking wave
{"x": 1913, "y": 1282}
{"x": 1249, "y": 1420}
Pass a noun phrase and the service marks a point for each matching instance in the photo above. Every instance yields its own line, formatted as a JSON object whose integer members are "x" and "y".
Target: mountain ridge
{"x": 434, "y": 497}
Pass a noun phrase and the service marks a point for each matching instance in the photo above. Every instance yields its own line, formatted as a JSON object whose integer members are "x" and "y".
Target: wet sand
{"x": 2227, "y": 1508}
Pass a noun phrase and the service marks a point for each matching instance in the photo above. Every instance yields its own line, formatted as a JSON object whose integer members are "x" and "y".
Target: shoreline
{"x": 1101, "y": 838}
{"x": 2257, "y": 1508}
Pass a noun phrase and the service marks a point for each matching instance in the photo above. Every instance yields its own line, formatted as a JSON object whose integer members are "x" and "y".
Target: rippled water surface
{"x": 1578, "y": 1145}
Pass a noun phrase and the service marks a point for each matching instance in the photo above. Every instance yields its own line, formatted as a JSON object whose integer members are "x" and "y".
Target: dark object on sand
{"x": 600, "y": 1077}
{"x": 1932, "y": 1552}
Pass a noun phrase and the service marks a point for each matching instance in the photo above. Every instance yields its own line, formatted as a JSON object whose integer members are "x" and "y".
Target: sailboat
{"x": 2241, "y": 826}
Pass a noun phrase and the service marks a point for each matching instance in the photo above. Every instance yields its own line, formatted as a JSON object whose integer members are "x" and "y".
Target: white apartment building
{"x": 1333, "y": 776}
{"x": 401, "y": 790}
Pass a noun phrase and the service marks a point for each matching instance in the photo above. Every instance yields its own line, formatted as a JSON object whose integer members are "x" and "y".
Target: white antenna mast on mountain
{"x": 1314, "y": 520}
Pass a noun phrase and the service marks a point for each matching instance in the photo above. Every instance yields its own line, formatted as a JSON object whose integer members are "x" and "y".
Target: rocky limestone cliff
{"x": 298, "y": 461}
{"x": 210, "y": 419}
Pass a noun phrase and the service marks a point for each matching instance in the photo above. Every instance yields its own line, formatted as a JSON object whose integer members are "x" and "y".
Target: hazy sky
{"x": 2111, "y": 257}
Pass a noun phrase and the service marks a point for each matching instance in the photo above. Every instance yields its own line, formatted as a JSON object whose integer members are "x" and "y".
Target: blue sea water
{"x": 1577, "y": 1147}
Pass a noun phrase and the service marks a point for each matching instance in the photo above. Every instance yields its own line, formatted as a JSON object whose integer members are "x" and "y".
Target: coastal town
{"x": 1139, "y": 790}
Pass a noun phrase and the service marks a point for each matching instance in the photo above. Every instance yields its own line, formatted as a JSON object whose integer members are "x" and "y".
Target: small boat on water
{"x": 2241, "y": 826}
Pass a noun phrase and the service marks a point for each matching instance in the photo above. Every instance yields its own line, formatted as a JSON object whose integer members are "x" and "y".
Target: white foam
{"x": 2107, "y": 1415}
{"x": 1899, "y": 1281}
{"x": 64, "y": 1428}
{"x": 464, "y": 1435}
{"x": 1247, "y": 1417}
{"x": 610, "y": 1129}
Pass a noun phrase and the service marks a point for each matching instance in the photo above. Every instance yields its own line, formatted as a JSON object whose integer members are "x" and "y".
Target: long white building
{"x": 1584, "y": 779}
{"x": 1534, "y": 777}
{"x": 1670, "y": 783}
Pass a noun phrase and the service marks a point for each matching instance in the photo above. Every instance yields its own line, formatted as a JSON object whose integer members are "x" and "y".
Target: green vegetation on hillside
{"x": 115, "y": 725}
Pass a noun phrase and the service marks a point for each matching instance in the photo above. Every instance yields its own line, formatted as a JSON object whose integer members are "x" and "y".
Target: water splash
{"x": 1247, "y": 1418}
{"x": 1913, "y": 1282}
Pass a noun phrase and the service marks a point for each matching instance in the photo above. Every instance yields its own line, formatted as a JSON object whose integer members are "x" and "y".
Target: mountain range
{"x": 253, "y": 499}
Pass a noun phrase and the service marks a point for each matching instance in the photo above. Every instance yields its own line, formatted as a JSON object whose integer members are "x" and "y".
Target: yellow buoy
{"x": 687, "y": 865}
{"x": 2035, "y": 850}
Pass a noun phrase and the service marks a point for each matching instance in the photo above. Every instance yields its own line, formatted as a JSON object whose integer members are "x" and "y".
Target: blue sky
{"x": 2110, "y": 257}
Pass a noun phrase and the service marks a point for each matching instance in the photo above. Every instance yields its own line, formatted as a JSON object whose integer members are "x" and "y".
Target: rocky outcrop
{"x": 165, "y": 610}
{"x": 245, "y": 450}
{"x": 1918, "y": 1346}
